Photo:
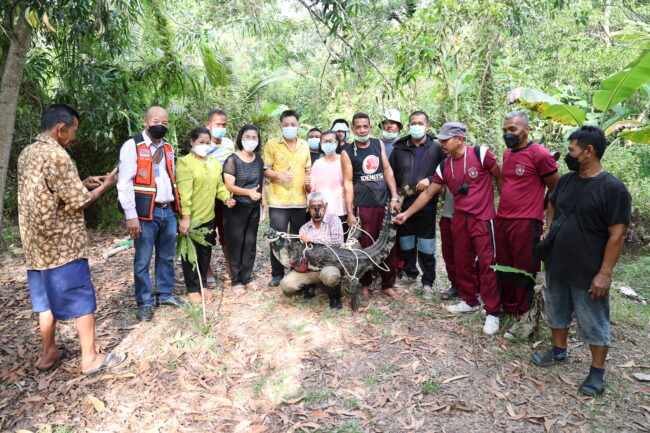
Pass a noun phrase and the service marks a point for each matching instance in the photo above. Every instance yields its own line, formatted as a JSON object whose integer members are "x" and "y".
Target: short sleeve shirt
{"x": 522, "y": 194}
{"x": 579, "y": 246}
{"x": 280, "y": 158}
{"x": 479, "y": 201}
{"x": 50, "y": 192}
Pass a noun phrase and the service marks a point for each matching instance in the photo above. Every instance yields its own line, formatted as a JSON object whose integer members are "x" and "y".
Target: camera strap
{"x": 464, "y": 166}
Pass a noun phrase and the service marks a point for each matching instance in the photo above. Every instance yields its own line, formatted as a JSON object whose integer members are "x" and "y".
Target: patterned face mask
{"x": 317, "y": 213}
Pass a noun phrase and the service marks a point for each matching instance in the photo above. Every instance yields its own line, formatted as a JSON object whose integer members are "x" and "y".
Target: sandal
{"x": 106, "y": 364}
{"x": 64, "y": 353}
{"x": 210, "y": 282}
{"x": 251, "y": 285}
{"x": 449, "y": 294}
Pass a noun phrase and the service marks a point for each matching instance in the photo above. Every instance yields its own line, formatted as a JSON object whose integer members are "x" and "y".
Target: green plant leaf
{"x": 638, "y": 136}
{"x": 565, "y": 114}
{"x": 623, "y": 84}
{"x": 512, "y": 270}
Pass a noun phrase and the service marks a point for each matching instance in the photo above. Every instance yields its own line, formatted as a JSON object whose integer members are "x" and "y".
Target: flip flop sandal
{"x": 65, "y": 354}
{"x": 106, "y": 364}
{"x": 211, "y": 282}
{"x": 449, "y": 294}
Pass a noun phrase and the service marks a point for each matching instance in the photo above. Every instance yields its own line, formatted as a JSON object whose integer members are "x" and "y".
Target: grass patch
{"x": 389, "y": 368}
{"x": 297, "y": 328}
{"x": 370, "y": 380}
{"x": 429, "y": 387}
{"x": 377, "y": 316}
{"x": 330, "y": 314}
{"x": 632, "y": 269}
{"x": 313, "y": 396}
{"x": 268, "y": 303}
{"x": 351, "y": 403}
{"x": 196, "y": 316}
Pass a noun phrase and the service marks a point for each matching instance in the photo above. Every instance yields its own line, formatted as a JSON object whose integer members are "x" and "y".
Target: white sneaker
{"x": 491, "y": 326}
{"x": 427, "y": 292}
{"x": 461, "y": 307}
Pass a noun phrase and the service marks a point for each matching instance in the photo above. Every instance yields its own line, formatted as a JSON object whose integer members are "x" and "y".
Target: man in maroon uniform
{"x": 528, "y": 169}
{"x": 468, "y": 174}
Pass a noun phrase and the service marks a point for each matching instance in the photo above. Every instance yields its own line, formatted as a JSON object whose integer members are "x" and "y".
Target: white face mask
{"x": 201, "y": 150}
{"x": 249, "y": 145}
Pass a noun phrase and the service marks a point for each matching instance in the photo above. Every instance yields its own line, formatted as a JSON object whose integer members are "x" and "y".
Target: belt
{"x": 164, "y": 205}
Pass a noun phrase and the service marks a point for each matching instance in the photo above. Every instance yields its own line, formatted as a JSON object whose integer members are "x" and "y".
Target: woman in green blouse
{"x": 199, "y": 181}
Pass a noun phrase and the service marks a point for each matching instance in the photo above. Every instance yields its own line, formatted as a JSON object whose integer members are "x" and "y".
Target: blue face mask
{"x": 390, "y": 136}
{"x": 290, "y": 132}
{"x": 218, "y": 133}
{"x": 362, "y": 139}
{"x": 417, "y": 131}
{"x": 328, "y": 147}
{"x": 314, "y": 143}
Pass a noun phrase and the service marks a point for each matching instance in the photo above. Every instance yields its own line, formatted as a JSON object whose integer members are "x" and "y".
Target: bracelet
{"x": 394, "y": 199}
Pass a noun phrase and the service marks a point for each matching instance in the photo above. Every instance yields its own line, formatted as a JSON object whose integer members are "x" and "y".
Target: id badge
{"x": 156, "y": 170}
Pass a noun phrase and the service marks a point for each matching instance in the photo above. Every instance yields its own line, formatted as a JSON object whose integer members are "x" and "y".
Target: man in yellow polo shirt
{"x": 286, "y": 164}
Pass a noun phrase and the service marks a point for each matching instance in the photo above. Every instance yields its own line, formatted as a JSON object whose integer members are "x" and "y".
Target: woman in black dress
{"x": 243, "y": 174}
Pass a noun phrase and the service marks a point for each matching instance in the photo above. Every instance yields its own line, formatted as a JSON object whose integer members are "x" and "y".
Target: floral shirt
{"x": 330, "y": 231}
{"x": 280, "y": 158}
{"x": 50, "y": 193}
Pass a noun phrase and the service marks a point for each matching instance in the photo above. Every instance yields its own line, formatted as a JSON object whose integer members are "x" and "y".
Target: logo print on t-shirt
{"x": 520, "y": 170}
{"x": 473, "y": 172}
{"x": 370, "y": 164}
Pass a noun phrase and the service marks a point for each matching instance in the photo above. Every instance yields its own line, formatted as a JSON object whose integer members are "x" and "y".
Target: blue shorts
{"x": 561, "y": 300}
{"x": 66, "y": 290}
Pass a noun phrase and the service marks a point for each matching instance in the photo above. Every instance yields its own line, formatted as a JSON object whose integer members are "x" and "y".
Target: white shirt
{"x": 222, "y": 151}
{"x": 127, "y": 172}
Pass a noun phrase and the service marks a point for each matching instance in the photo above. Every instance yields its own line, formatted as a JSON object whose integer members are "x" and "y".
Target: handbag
{"x": 544, "y": 247}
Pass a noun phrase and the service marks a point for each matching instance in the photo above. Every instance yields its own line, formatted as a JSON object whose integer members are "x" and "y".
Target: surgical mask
{"x": 511, "y": 140}
{"x": 290, "y": 132}
{"x": 201, "y": 149}
{"x": 572, "y": 162}
{"x": 329, "y": 147}
{"x": 218, "y": 133}
{"x": 157, "y": 131}
{"x": 314, "y": 143}
{"x": 249, "y": 145}
{"x": 417, "y": 131}
{"x": 362, "y": 139}
{"x": 390, "y": 136}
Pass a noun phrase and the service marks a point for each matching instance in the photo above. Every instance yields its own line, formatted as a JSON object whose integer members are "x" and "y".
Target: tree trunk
{"x": 19, "y": 44}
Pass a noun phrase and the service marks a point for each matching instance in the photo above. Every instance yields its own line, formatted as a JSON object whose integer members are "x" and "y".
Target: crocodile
{"x": 353, "y": 263}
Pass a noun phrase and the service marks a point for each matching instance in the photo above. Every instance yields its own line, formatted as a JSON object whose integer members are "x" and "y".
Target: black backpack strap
{"x": 480, "y": 152}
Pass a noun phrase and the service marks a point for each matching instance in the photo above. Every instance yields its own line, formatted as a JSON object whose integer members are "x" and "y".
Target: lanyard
{"x": 464, "y": 166}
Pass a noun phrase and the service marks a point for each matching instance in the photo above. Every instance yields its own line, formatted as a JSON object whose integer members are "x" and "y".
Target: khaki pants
{"x": 330, "y": 276}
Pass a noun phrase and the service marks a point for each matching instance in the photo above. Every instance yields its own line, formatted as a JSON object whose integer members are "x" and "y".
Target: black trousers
{"x": 203, "y": 253}
{"x": 240, "y": 224}
{"x": 284, "y": 220}
{"x": 417, "y": 240}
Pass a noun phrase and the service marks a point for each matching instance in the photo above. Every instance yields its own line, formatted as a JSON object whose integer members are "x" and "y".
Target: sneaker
{"x": 144, "y": 313}
{"x": 400, "y": 274}
{"x": 461, "y": 307}
{"x": 593, "y": 385}
{"x": 407, "y": 281}
{"x": 548, "y": 358}
{"x": 275, "y": 282}
{"x": 238, "y": 287}
{"x": 427, "y": 292}
{"x": 491, "y": 326}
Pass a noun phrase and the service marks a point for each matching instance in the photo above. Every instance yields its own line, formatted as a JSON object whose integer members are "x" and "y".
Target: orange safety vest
{"x": 144, "y": 183}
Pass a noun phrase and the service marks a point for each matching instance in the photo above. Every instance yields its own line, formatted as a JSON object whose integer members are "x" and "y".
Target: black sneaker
{"x": 548, "y": 358}
{"x": 400, "y": 274}
{"x": 309, "y": 292}
{"x": 593, "y": 385}
{"x": 335, "y": 302}
{"x": 275, "y": 282}
{"x": 171, "y": 302}
{"x": 144, "y": 313}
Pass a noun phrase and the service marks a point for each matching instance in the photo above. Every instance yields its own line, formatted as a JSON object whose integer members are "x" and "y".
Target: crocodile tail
{"x": 384, "y": 243}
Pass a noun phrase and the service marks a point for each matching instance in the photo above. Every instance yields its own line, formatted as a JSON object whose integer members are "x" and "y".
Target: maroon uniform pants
{"x": 447, "y": 241}
{"x": 474, "y": 239}
{"x": 516, "y": 239}
{"x": 371, "y": 221}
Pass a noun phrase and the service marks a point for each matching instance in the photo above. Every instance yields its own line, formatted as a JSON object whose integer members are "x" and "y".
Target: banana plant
{"x": 186, "y": 250}
{"x": 611, "y": 93}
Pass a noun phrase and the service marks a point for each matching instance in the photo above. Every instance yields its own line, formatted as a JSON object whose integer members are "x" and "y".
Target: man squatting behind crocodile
{"x": 321, "y": 257}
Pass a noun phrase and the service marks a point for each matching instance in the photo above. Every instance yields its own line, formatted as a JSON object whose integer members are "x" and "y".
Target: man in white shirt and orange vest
{"x": 148, "y": 197}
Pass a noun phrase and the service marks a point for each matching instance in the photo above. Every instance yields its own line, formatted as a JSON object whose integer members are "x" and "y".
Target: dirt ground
{"x": 269, "y": 363}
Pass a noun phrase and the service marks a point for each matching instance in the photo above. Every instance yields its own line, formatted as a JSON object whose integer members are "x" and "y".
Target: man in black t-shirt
{"x": 595, "y": 208}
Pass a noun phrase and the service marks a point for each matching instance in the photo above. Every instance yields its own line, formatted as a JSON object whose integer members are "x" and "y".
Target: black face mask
{"x": 511, "y": 140}
{"x": 157, "y": 131}
{"x": 572, "y": 162}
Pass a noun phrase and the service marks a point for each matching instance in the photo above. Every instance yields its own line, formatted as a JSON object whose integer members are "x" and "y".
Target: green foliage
{"x": 430, "y": 387}
{"x": 623, "y": 84}
{"x": 512, "y": 270}
{"x": 185, "y": 248}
